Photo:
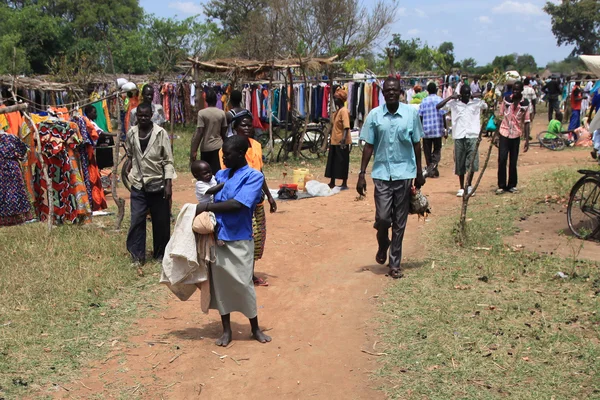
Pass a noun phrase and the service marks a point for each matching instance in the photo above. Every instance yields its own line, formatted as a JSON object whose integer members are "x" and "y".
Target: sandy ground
{"x": 320, "y": 307}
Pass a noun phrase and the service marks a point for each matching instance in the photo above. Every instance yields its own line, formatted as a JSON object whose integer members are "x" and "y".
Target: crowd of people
{"x": 227, "y": 163}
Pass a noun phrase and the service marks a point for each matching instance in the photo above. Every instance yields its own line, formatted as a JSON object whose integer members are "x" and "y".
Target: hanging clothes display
{"x": 90, "y": 137}
{"x": 59, "y": 141}
{"x": 14, "y": 202}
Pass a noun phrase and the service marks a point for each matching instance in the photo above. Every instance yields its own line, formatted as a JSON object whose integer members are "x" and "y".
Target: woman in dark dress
{"x": 338, "y": 161}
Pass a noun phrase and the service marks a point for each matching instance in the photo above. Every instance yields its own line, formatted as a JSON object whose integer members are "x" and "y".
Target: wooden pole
{"x": 17, "y": 107}
{"x": 116, "y": 155}
{"x": 271, "y": 144}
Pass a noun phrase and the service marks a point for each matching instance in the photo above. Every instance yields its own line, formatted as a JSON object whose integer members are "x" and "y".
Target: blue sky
{"x": 480, "y": 29}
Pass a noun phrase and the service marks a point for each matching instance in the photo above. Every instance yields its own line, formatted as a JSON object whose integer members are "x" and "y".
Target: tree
{"x": 526, "y": 63}
{"x": 576, "y": 22}
{"x": 504, "y": 63}
{"x": 406, "y": 54}
{"x": 446, "y": 50}
{"x": 468, "y": 64}
{"x": 234, "y": 15}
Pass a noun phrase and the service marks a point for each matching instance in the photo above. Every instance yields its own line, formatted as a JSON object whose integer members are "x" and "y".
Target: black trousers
{"x": 392, "y": 202}
{"x": 158, "y": 205}
{"x": 508, "y": 152}
{"x": 553, "y": 107}
{"x": 212, "y": 158}
{"x": 433, "y": 150}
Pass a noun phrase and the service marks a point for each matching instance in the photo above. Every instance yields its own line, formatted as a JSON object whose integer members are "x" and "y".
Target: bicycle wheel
{"x": 583, "y": 211}
{"x": 311, "y": 146}
{"x": 125, "y": 173}
{"x": 551, "y": 141}
{"x": 284, "y": 149}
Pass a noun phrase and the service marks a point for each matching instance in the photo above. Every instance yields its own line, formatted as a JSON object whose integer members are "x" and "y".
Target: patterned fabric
{"x": 14, "y": 203}
{"x": 59, "y": 141}
{"x": 259, "y": 228}
{"x": 94, "y": 180}
{"x": 433, "y": 119}
{"x": 515, "y": 117}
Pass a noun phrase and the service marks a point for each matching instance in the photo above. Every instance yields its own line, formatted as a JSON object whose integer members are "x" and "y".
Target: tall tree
{"x": 234, "y": 15}
{"x": 576, "y": 22}
{"x": 526, "y": 63}
{"x": 468, "y": 65}
{"x": 503, "y": 63}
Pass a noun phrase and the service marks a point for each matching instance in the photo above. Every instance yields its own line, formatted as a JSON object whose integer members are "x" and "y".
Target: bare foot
{"x": 260, "y": 336}
{"x": 224, "y": 340}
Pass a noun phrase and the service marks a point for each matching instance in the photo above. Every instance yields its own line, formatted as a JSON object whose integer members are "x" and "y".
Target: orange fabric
{"x": 98, "y": 198}
{"x": 133, "y": 103}
{"x": 15, "y": 120}
{"x": 27, "y": 136}
{"x": 62, "y": 112}
{"x": 253, "y": 156}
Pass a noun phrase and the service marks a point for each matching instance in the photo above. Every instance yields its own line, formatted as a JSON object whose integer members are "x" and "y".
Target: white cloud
{"x": 515, "y": 7}
{"x": 186, "y": 7}
{"x": 413, "y": 32}
{"x": 484, "y": 19}
{"x": 401, "y": 12}
{"x": 420, "y": 13}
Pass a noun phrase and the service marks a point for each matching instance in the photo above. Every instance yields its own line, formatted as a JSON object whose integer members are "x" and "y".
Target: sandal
{"x": 260, "y": 282}
{"x": 396, "y": 273}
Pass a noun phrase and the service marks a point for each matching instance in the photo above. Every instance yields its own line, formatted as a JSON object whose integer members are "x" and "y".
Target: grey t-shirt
{"x": 212, "y": 120}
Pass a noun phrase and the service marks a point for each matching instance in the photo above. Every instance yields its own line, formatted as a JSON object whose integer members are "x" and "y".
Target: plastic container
{"x": 308, "y": 178}
{"x": 298, "y": 177}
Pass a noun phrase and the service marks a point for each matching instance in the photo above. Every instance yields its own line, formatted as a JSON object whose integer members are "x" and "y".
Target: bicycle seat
{"x": 588, "y": 172}
{"x": 325, "y": 120}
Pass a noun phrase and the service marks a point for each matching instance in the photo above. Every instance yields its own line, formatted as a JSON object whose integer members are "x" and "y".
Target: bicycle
{"x": 124, "y": 163}
{"x": 557, "y": 141}
{"x": 583, "y": 210}
{"x": 313, "y": 143}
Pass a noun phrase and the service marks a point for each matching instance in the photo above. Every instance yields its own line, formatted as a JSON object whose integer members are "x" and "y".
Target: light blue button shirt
{"x": 393, "y": 137}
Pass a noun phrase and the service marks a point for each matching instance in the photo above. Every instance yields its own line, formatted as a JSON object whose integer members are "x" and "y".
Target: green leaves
{"x": 576, "y": 22}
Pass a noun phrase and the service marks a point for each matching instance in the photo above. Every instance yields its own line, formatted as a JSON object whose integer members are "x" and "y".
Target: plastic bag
{"x": 491, "y": 125}
{"x": 318, "y": 189}
{"x": 418, "y": 203}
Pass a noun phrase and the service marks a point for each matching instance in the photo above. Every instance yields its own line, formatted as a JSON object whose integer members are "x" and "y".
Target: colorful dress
{"x": 59, "y": 141}
{"x": 14, "y": 203}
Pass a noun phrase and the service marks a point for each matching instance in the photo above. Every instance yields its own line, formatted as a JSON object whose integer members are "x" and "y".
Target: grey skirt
{"x": 231, "y": 286}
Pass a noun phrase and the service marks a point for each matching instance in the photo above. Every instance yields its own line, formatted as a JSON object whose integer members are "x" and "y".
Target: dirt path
{"x": 320, "y": 308}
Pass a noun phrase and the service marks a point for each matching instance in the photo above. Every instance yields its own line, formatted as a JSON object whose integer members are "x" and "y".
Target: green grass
{"x": 489, "y": 321}
{"x": 64, "y": 297}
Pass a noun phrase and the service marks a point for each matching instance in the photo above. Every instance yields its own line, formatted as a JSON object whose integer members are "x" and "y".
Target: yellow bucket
{"x": 298, "y": 177}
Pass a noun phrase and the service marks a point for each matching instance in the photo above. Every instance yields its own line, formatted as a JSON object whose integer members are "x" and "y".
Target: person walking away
{"x": 530, "y": 96}
{"x": 576, "y": 99}
{"x": 434, "y": 123}
{"x": 553, "y": 91}
{"x": 210, "y": 133}
{"x": 466, "y": 125}
{"x": 338, "y": 159}
{"x": 392, "y": 134}
{"x": 152, "y": 170}
{"x": 231, "y": 287}
{"x": 158, "y": 113}
{"x": 516, "y": 124}
{"x": 235, "y": 102}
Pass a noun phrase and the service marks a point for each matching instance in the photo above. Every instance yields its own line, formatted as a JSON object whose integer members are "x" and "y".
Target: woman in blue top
{"x": 231, "y": 286}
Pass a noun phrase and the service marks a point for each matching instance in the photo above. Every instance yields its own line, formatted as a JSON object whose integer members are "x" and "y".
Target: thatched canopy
{"x": 253, "y": 69}
{"x": 35, "y": 83}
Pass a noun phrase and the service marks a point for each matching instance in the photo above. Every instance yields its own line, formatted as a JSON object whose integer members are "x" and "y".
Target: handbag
{"x": 155, "y": 186}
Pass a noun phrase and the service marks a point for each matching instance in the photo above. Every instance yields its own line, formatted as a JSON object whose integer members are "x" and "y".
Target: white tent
{"x": 593, "y": 63}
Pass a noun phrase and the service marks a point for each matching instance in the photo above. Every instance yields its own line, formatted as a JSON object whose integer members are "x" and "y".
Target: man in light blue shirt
{"x": 392, "y": 134}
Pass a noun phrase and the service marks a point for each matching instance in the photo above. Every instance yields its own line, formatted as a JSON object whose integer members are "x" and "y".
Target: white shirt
{"x": 202, "y": 187}
{"x": 466, "y": 118}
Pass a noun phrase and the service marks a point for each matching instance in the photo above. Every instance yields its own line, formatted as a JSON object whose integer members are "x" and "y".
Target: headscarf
{"x": 241, "y": 115}
{"x": 341, "y": 94}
